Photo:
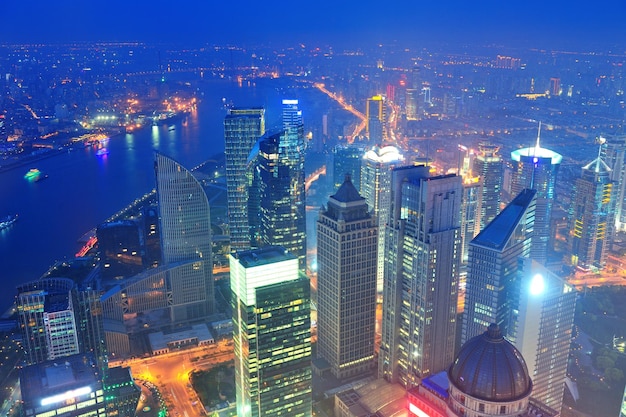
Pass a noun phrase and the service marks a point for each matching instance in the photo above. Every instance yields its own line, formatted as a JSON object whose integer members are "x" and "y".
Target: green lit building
{"x": 271, "y": 333}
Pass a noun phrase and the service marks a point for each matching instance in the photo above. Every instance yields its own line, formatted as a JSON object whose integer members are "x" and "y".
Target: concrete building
{"x": 347, "y": 246}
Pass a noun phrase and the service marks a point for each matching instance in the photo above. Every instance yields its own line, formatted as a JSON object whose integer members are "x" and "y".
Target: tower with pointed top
{"x": 536, "y": 168}
{"x": 347, "y": 245}
{"x": 593, "y": 217}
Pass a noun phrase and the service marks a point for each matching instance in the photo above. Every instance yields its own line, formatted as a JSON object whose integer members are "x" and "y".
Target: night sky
{"x": 350, "y": 22}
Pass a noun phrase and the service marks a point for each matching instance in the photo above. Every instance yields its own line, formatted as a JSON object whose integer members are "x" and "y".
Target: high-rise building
{"x": 185, "y": 227}
{"x": 347, "y": 160}
{"x": 491, "y": 287}
{"x": 423, "y": 252}
{"x": 242, "y": 128}
{"x": 536, "y": 168}
{"x": 593, "y": 217}
{"x": 376, "y": 168}
{"x": 488, "y": 166}
{"x": 412, "y": 104}
{"x": 121, "y": 249}
{"x": 68, "y": 387}
{"x": 282, "y": 211}
{"x": 544, "y": 329}
{"x": 347, "y": 245}
{"x": 376, "y": 117}
{"x": 615, "y": 158}
{"x": 271, "y": 333}
{"x": 555, "y": 86}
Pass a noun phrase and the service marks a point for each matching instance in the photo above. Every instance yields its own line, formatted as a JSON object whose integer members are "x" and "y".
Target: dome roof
{"x": 490, "y": 368}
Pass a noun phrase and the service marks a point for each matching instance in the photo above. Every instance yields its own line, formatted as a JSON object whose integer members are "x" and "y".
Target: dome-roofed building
{"x": 489, "y": 375}
{"x": 488, "y": 378}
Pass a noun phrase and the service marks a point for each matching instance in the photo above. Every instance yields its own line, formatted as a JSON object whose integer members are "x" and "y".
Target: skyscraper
{"x": 536, "y": 168}
{"x": 376, "y": 117}
{"x": 185, "y": 225}
{"x": 271, "y": 333}
{"x": 280, "y": 177}
{"x": 615, "y": 158}
{"x": 593, "y": 218}
{"x": 347, "y": 245}
{"x": 544, "y": 329}
{"x": 491, "y": 290}
{"x": 242, "y": 128}
{"x": 488, "y": 166}
{"x": 423, "y": 251}
{"x": 376, "y": 188}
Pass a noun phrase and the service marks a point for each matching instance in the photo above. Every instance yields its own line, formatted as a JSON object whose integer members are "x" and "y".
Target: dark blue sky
{"x": 541, "y": 23}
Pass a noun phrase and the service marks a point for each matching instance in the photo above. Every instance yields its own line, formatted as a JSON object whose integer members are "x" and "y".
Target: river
{"x": 83, "y": 189}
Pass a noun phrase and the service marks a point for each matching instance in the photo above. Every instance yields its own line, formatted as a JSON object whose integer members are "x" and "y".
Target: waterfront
{"x": 83, "y": 189}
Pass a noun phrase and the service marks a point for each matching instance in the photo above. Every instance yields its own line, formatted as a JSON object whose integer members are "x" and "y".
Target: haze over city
{"x": 350, "y": 209}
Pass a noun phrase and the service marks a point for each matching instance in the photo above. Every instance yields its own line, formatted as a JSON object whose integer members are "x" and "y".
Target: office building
{"x": 280, "y": 177}
{"x": 376, "y": 188}
{"x": 71, "y": 387}
{"x": 488, "y": 378}
{"x": 347, "y": 246}
{"x": 121, "y": 249}
{"x": 423, "y": 253}
{"x": 185, "y": 228}
{"x": 544, "y": 329}
{"x": 615, "y": 156}
{"x": 376, "y": 118}
{"x": 412, "y": 104}
{"x": 121, "y": 393}
{"x": 271, "y": 334}
{"x": 242, "y": 128}
{"x": 347, "y": 160}
{"x": 491, "y": 289}
{"x": 488, "y": 166}
{"x": 593, "y": 216}
{"x": 536, "y": 168}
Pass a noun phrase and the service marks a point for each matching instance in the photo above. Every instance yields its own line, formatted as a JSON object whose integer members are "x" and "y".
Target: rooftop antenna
{"x": 537, "y": 147}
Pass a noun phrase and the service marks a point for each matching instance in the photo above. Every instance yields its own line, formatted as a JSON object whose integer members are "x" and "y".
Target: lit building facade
{"x": 491, "y": 290}
{"x": 347, "y": 160}
{"x": 375, "y": 117}
{"x": 423, "y": 252}
{"x": 347, "y": 245}
{"x": 185, "y": 227}
{"x": 280, "y": 174}
{"x": 593, "y": 217}
{"x": 271, "y": 333}
{"x": 71, "y": 387}
{"x": 488, "y": 166}
{"x": 242, "y": 128}
{"x": 376, "y": 169}
{"x": 544, "y": 329}
{"x": 615, "y": 157}
{"x": 537, "y": 168}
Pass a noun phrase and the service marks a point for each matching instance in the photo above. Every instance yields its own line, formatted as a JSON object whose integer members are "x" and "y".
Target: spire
{"x": 538, "y": 137}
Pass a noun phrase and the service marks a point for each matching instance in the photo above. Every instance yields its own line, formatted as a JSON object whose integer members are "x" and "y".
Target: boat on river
{"x": 7, "y": 221}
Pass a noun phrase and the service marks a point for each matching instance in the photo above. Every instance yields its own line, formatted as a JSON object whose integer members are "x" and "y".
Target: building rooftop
{"x": 161, "y": 340}
{"x": 263, "y": 256}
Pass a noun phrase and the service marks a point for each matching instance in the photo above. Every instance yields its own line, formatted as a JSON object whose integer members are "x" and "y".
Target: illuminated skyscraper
{"x": 423, "y": 248}
{"x": 185, "y": 226}
{"x": 593, "y": 217}
{"x": 280, "y": 174}
{"x": 376, "y": 188}
{"x": 347, "y": 245}
{"x": 376, "y": 118}
{"x": 412, "y": 104}
{"x": 491, "y": 286}
{"x": 536, "y": 168}
{"x": 271, "y": 333}
{"x": 488, "y": 166}
{"x": 242, "y": 128}
{"x": 544, "y": 329}
{"x": 615, "y": 158}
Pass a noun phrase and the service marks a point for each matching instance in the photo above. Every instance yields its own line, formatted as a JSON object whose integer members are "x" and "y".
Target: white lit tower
{"x": 544, "y": 329}
{"x": 537, "y": 168}
{"x": 423, "y": 248}
{"x": 615, "y": 158}
{"x": 376, "y": 188}
{"x": 271, "y": 333}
